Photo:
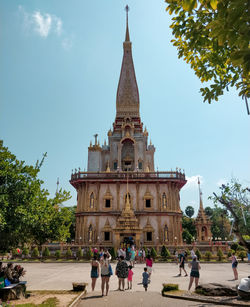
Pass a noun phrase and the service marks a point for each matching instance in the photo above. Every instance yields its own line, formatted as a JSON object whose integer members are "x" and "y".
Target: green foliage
{"x": 220, "y": 254}
{"x": 153, "y": 253}
{"x": 165, "y": 252}
{"x": 235, "y": 246}
{"x": 27, "y": 214}
{"x": 113, "y": 253}
{"x": 213, "y": 38}
{"x": 14, "y": 252}
{"x": 58, "y": 254}
{"x": 49, "y": 302}
{"x": 208, "y": 255}
{"x": 209, "y": 211}
{"x": 188, "y": 224}
{"x": 46, "y": 252}
{"x": 35, "y": 253}
{"x": 236, "y": 199}
{"x": 242, "y": 254}
{"x": 170, "y": 287}
{"x": 230, "y": 252}
{"x": 189, "y": 211}
{"x": 79, "y": 253}
{"x": 25, "y": 251}
{"x": 68, "y": 253}
{"x": 89, "y": 253}
{"x": 220, "y": 222}
{"x": 186, "y": 236}
{"x": 198, "y": 254}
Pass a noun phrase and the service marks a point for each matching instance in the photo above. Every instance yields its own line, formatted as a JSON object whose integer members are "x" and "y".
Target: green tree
{"x": 165, "y": 252}
{"x": 220, "y": 222}
{"x": 27, "y": 214}
{"x": 153, "y": 253}
{"x": 208, "y": 255}
{"x": 198, "y": 254}
{"x": 189, "y": 211}
{"x": 213, "y": 37}
{"x": 68, "y": 253}
{"x": 25, "y": 251}
{"x": 209, "y": 211}
{"x": 35, "y": 253}
{"x": 58, "y": 254}
{"x": 89, "y": 253}
{"x": 46, "y": 252}
{"x": 188, "y": 224}
{"x": 220, "y": 254}
{"x": 79, "y": 253}
{"x": 187, "y": 237}
{"x": 235, "y": 199}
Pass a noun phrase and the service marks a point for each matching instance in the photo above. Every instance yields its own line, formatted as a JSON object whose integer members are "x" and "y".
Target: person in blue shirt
{"x": 145, "y": 277}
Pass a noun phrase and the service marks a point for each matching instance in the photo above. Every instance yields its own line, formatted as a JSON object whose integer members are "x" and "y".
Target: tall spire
{"x": 127, "y": 98}
{"x": 200, "y": 194}
{"x": 127, "y": 31}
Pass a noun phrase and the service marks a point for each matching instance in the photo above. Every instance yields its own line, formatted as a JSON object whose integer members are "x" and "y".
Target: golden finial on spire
{"x": 127, "y": 32}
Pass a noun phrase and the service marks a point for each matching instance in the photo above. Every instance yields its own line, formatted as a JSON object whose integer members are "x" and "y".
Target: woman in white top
{"x": 105, "y": 271}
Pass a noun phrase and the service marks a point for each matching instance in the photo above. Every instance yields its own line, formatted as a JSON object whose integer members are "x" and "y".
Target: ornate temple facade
{"x": 121, "y": 198}
{"x": 202, "y": 223}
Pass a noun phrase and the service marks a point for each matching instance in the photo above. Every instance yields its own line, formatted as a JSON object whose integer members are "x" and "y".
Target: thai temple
{"x": 121, "y": 198}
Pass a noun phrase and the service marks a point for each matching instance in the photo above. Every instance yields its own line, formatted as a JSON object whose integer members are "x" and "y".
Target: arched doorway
{"x": 128, "y": 155}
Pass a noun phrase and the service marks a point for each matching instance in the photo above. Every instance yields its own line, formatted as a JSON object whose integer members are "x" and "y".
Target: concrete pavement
{"x": 59, "y": 276}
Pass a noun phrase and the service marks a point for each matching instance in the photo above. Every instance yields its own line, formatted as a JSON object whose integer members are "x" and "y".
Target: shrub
{"x": 35, "y": 253}
{"x": 235, "y": 246}
{"x": 208, "y": 255}
{"x": 89, "y": 253}
{"x": 68, "y": 253}
{"x": 153, "y": 253}
{"x": 230, "y": 252}
{"x": 25, "y": 251}
{"x": 170, "y": 287}
{"x": 79, "y": 253}
{"x": 242, "y": 254}
{"x": 113, "y": 253}
{"x": 241, "y": 248}
{"x": 220, "y": 255}
{"x": 165, "y": 252}
{"x": 46, "y": 252}
{"x": 14, "y": 252}
{"x": 58, "y": 254}
{"x": 198, "y": 254}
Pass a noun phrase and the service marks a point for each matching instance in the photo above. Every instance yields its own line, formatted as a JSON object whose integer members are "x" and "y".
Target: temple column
{"x": 118, "y": 195}
{"x": 158, "y": 202}
{"x": 98, "y": 197}
{"x": 137, "y": 197}
{"x": 119, "y": 156}
{"x": 136, "y": 157}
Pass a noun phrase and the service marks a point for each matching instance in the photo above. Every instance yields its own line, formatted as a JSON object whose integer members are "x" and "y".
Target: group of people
{"x": 123, "y": 271}
{"x": 10, "y": 274}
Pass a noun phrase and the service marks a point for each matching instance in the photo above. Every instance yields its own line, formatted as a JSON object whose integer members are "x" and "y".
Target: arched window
{"x": 91, "y": 200}
{"x": 164, "y": 200}
{"x": 90, "y": 233}
{"x": 165, "y": 233}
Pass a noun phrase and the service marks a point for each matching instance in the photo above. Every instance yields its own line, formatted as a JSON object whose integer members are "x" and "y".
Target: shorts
{"x": 105, "y": 275}
{"x": 195, "y": 274}
{"x": 234, "y": 265}
{"x": 149, "y": 269}
{"x": 182, "y": 265}
{"x": 94, "y": 275}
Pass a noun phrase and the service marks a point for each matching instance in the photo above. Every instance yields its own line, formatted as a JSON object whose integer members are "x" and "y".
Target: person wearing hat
{"x": 194, "y": 274}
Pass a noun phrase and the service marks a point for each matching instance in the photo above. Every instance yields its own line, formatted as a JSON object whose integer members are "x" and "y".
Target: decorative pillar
{"x": 86, "y": 197}
{"x": 97, "y": 197}
{"x": 137, "y": 197}
{"x": 119, "y": 156}
{"x": 136, "y": 156}
{"x": 158, "y": 196}
{"x": 118, "y": 195}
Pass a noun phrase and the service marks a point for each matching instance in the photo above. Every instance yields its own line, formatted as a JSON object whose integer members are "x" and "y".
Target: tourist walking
{"x": 145, "y": 279}
{"x": 182, "y": 264}
{"x": 105, "y": 271}
{"x": 95, "y": 271}
{"x": 122, "y": 272}
{"x": 143, "y": 255}
{"x": 194, "y": 274}
{"x": 130, "y": 277}
{"x": 132, "y": 256}
{"x": 149, "y": 264}
{"x": 234, "y": 266}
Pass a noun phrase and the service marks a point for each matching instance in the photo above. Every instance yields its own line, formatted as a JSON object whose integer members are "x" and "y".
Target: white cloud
{"x": 42, "y": 24}
{"x": 192, "y": 182}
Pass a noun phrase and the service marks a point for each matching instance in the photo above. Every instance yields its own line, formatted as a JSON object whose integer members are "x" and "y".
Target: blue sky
{"x": 60, "y": 64}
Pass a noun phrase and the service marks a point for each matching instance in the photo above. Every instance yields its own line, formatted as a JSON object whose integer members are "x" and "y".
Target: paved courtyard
{"x": 59, "y": 276}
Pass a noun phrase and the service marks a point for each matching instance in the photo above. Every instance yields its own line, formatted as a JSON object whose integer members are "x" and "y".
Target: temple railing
{"x": 129, "y": 175}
